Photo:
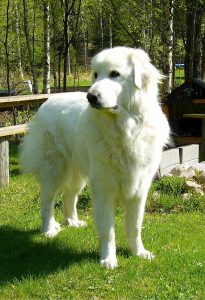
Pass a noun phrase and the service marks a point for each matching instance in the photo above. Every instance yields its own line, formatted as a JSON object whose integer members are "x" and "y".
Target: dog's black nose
{"x": 92, "y": 98}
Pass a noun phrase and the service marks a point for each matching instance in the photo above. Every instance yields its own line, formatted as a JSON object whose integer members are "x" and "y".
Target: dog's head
{"x": 119, "y": 73}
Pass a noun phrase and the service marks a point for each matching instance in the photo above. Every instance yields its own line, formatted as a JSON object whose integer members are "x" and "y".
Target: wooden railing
{"x": 16, "y": 101}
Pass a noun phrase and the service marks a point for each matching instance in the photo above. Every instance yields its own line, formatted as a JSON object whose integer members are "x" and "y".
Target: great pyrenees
{"x": 110, "y": 138}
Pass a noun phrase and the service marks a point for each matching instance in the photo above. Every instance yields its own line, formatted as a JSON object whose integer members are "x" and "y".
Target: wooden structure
{"x": 16, "y": 101}
{"x": 186, "y": 114}
{"x": 7, "y": 103}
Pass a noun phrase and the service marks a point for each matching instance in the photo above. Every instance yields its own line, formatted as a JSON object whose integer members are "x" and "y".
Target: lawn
{"x": 66, "y": 267}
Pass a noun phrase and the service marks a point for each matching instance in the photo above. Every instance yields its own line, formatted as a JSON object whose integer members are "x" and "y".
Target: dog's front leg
{"x": 103, "y": 209}
{"x": 134, "y": 219}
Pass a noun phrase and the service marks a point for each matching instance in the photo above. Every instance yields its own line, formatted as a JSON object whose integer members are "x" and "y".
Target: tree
{"x": 203, "y": 57}
{"x": 72, "y": 14}
{"x": 6, "y": 48}
{"x": 195, "y": 11}
{"x": 168, "y": 30}
{"x": 18, "y": 45}
{"x": 29, "y": 48}
{"x": 46, "y": 78}
{"x": 167, "y": 37}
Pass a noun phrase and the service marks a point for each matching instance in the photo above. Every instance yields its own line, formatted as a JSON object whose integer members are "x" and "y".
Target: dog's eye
{"x": 95, "y": 75}
{"x": 114, "y": 74}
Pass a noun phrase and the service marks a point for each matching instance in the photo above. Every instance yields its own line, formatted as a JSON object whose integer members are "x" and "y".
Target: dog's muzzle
{"x": 93, "y": 99}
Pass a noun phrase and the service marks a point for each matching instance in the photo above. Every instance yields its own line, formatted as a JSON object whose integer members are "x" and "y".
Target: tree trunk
{"x": 168, "y": 39}
{"x": 85, "y": 36}
{"x": 66, "y": 45}
{"x": 193, "y": 64}
{"x": 59, "y": 72}
{"x": 101, "y": 30}
{"x": 190, "y": 36}
{"x": 55, "y": 51}
{"x": 29, "y": 48}
{"x": 203, "y": 58}
{"x": 7, "y": 50}
{"x": 110, "y": 32}
{"x": 18, "y": 42}
{"x": 170, "y": 42}
{"x": 46, "y": 79}
{"x": 151, "y": 35}
{"x": 69, "y": 62}
{"x": 197, "y": 60}
{"x": 55, "y": 62}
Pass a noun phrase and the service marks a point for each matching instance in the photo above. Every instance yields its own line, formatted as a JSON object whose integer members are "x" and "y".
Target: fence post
{"x": 4, "y": 162}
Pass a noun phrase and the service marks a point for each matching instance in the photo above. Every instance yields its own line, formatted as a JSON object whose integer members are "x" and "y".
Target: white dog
{"x": 111, "y": 138}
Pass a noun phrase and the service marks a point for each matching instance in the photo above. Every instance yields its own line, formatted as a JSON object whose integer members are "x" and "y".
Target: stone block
{"x": 189, "y": 154}
{"x": 170, "y": 159}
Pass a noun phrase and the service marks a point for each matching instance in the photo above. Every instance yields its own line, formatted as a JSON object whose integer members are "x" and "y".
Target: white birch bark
{"x": 46, "y": 78}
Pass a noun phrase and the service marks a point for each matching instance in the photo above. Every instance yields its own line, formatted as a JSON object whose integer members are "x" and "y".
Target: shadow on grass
{"x": 21, "y": 256}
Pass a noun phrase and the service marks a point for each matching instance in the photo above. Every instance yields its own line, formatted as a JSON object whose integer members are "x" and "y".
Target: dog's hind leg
{"x": 49, "y": 226}
{"x": 74, "y": 186}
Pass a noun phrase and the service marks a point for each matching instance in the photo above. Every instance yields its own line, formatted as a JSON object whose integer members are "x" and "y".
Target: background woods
{"x": 48, "y": 41}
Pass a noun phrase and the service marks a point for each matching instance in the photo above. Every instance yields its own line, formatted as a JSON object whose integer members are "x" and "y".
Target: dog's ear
{"x": 145, "y": 74}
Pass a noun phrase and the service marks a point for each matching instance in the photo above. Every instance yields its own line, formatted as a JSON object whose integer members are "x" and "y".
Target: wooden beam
{"x": 4, "y": 163}
{"x": 198, "y": 101}
{"x": 186, "y": 140}
{"x": 194, "y": 116}
{"x": 5, "y": 132}
{"x": 11, "y": 130}
{"x": 13, "y": 101}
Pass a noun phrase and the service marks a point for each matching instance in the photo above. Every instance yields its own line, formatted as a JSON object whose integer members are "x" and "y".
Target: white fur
{"x": 115, "y": 148}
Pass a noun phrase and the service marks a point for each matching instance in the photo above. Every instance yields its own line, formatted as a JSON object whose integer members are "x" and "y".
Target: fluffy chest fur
{"x": 125, "y": 149}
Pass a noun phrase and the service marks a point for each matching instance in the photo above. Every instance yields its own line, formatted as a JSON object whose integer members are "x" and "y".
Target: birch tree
{"x": 167, "y": 35}
{"x": 29, "y": 48}
{"x": 7, "y": 48}
{"x": 46, "y": 77}
{"x": 18, "y": 45}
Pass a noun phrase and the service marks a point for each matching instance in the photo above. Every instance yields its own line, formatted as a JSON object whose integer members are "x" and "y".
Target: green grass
{"x": 166, "y": 196}
{"x": 66, "y": 267}
{"x": 84, "y": 79}
{"x": 179, "y": 77}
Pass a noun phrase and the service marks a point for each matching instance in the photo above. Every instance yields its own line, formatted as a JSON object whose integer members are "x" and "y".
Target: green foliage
{"x": 167, "y": 195}
{"x": 99, "y": 24}
{"x": 172, "y": 186}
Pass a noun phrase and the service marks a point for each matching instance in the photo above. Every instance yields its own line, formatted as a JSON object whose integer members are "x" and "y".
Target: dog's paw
{"x": 53, "y": 230}
{"x": 74, "y": 223}
{"x": 109, "y": 263}
{"x": 145, "y": 254}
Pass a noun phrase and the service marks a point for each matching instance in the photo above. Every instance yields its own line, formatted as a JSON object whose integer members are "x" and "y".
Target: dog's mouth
{"x": 112, "y": 109}
{"x": 99, "y": 106}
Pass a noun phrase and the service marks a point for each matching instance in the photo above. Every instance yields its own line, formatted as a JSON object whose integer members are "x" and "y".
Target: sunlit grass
{"x": 66, "y": 267}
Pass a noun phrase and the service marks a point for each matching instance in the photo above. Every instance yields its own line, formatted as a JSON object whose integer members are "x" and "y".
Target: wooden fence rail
{"x": 16, "y": 101}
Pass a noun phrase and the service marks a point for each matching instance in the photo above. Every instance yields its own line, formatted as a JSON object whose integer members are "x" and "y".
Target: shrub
{"x": 174, "y": 186}
{"x": 167, "y": 195}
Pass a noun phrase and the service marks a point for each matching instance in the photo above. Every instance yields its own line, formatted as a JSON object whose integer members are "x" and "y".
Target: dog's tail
{"x": 31, "y": 155}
